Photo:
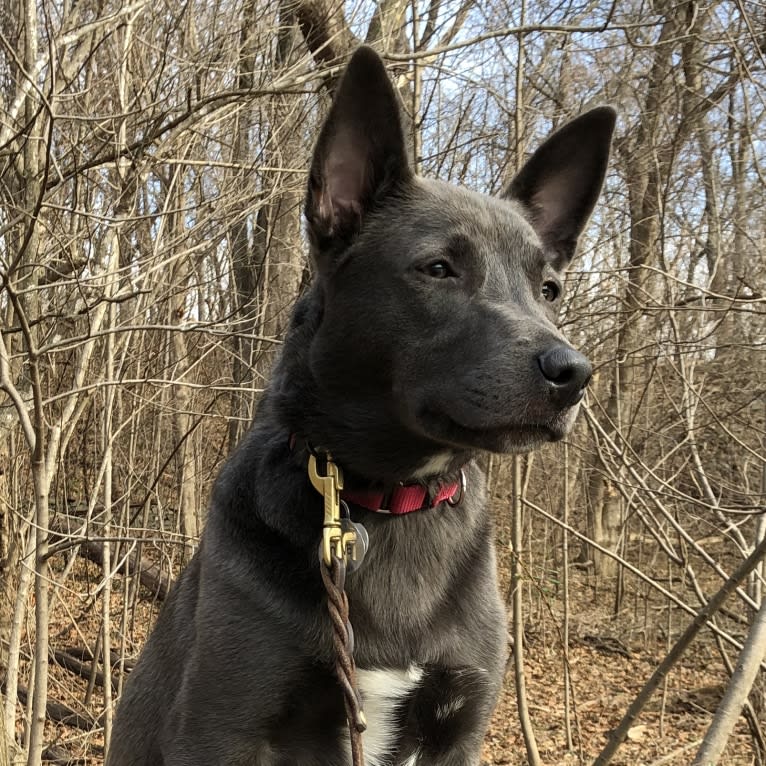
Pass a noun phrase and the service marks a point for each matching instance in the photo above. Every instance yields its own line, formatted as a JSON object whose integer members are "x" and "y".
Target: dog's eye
{"x": 439, "y": 270}
{"x": 550, "y": 291}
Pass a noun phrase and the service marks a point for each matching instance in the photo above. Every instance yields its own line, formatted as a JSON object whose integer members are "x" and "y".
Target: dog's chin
{"x": 500, "y": 437}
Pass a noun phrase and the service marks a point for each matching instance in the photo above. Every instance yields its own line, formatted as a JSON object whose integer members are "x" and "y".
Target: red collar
{"x": 405, "y": 498}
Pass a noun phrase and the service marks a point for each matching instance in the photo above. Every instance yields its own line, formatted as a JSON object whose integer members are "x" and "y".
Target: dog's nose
{"x": 567, "y": 373}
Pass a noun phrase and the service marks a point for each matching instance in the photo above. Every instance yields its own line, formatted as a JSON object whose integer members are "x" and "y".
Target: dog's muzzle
{"x": 567, "y": 373}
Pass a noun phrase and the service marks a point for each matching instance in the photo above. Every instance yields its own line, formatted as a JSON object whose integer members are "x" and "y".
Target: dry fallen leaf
{"x": 637, "y": 733}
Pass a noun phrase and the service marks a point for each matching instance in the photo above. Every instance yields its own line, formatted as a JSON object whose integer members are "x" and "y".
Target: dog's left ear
{"x": 360, "y": 154}
{"x": 560, "y": 183}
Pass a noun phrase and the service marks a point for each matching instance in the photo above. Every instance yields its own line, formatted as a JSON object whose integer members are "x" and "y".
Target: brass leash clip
{"x": 337, "y": 539}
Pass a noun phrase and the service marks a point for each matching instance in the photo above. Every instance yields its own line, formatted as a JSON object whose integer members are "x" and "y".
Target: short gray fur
{"x": 427, "y": 337}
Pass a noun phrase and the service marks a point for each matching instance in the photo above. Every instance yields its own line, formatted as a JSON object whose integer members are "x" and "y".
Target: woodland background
{"x": 152, "y": 164}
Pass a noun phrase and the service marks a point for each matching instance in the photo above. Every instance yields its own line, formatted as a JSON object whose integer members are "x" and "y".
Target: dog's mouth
{"x": 507, "y": 436}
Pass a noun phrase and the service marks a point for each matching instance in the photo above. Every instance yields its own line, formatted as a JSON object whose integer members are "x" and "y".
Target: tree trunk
{"x": 10, "y": 562}
{"x": 243, "y": 264}
{"x": 279, "y": 250}
{"x": 645, "y": 171}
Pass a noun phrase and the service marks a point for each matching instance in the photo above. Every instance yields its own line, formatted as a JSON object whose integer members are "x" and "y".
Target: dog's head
{"x": 438, "y": 305}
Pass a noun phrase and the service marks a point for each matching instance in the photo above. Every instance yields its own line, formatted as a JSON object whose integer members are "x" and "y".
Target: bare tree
{"x": 153, "y": 161}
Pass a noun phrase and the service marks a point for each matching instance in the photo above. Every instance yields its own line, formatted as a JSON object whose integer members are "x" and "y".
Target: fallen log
{"x": 61, "y": 757}
{"x": 61, "y": 713}
{"x": 85, "y": 654}
{"x": 80, "y": 668}
{"x": 150, "y": 575}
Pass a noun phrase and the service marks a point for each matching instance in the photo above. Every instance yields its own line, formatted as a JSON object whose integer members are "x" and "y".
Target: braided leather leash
{"x": 334, "y": 578}
{"x": 340, "y": 545}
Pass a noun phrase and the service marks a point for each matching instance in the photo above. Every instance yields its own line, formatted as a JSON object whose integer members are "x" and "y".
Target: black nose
{"x": 566, "y": 372}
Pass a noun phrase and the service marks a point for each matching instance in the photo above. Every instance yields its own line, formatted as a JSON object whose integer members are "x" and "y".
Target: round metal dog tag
{"x": 362, "y": 543}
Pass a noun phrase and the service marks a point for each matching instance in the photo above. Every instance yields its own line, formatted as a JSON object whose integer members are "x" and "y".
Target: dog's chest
{"x": 384, "y": 693}
{"x": 412, "y": 713}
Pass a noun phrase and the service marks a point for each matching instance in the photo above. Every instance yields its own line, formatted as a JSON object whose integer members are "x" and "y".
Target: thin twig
{"x": 619, "y": 734}
{"x": 736, "y": 693}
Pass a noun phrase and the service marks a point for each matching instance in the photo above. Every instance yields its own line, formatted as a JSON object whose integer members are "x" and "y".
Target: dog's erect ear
{"x": 560, "y": 183}
{"x": 360, "y": 154}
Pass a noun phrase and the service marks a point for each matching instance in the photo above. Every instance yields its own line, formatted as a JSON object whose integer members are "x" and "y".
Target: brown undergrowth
{"x": 610, "y": 657}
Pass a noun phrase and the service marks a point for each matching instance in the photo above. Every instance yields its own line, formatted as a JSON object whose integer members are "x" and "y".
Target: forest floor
{"x": 606, "y": 675}
{"x": 610, "y": 658}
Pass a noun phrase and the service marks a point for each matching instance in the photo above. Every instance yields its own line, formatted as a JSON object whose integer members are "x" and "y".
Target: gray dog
{"x": 427, "y": 337}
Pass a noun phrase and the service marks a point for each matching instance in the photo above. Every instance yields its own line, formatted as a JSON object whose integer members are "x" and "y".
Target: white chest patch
{"x": 382, "y": 691}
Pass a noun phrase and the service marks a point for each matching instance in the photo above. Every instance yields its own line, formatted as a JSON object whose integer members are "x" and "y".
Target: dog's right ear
{"x": 560, "y": 183}
{"x": 360, "y": 154}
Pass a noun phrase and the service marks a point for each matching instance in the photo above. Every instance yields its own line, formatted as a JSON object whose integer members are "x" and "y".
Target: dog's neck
{"x": 371, "y": 446}
{"x": 422, "y": 493}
